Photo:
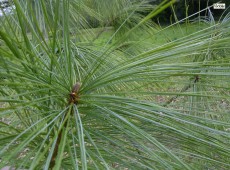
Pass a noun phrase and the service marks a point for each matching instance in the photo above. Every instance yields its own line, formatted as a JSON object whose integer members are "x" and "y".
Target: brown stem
{"x": 73, "y": 99}
{"x": 52, "y": 163}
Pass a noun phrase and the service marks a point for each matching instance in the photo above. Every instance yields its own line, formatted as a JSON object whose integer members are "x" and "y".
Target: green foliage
{"x": 80, "y": 98}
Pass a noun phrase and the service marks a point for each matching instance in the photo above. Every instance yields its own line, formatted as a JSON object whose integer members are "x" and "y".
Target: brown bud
{"x": 76, "y": 87}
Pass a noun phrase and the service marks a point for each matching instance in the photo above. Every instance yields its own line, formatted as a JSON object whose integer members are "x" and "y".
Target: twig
{"x": 73, "y": 99}
{"x": 184, "y": 89}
